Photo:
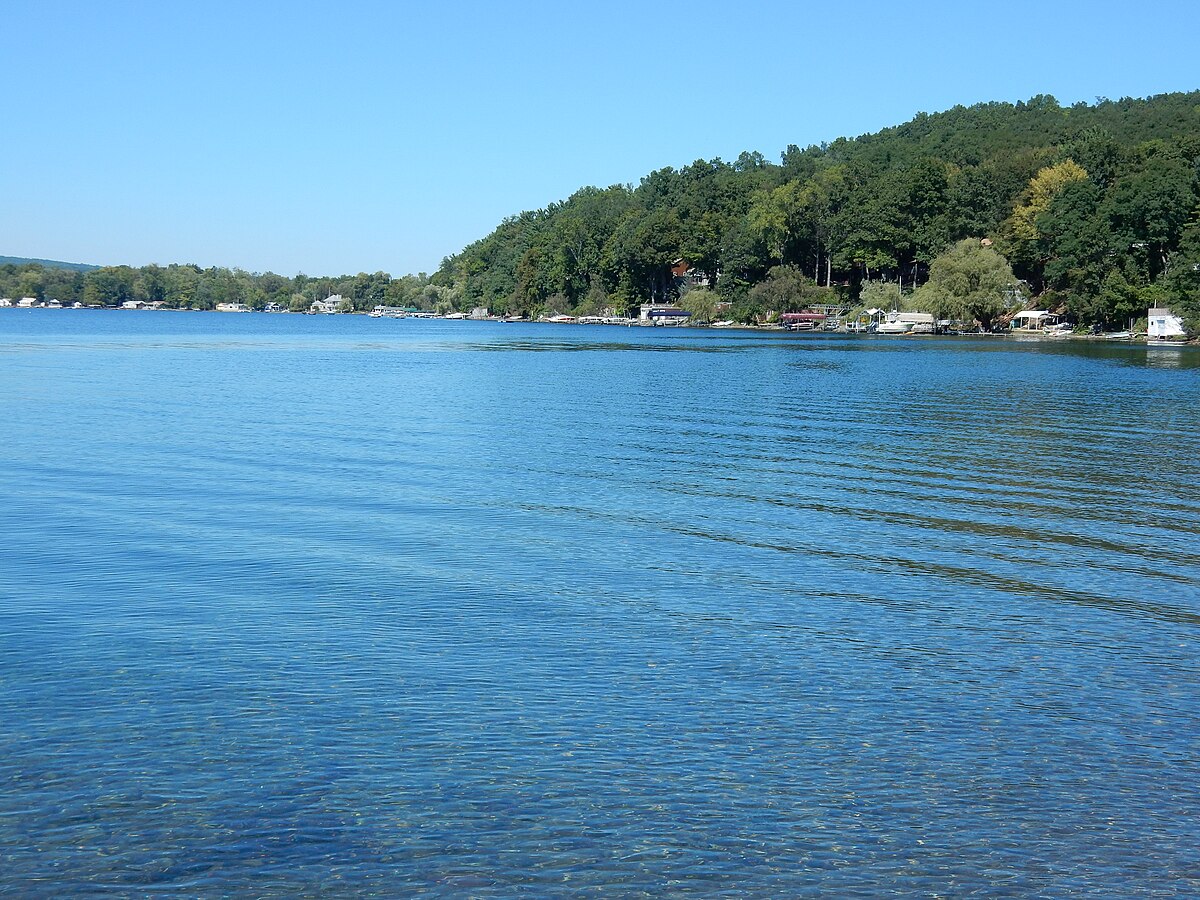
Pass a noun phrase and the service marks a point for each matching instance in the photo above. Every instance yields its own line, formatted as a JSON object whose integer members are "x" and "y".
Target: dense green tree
{"x": 788, "y": 289}
{"x": 110, "y": 286}
{"x": 701, "y": 303}
{"x": 1075, "y": 240}
{"x": 1183, "y": 283}
{"x": 970, "y": 282}
{"x": 881, "y": 295}
{"x": 1149, "y": 206}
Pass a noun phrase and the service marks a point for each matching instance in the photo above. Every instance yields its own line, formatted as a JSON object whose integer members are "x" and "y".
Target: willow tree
{"x": 970, "y": 282}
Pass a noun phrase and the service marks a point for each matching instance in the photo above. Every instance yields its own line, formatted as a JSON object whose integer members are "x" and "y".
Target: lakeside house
{"x": 329, "y": 305}
{"x": 5, "y": 301}
{"x": 28, "y": 302}
{"x": 133, "y": 304}
{"x": 662, "y": 314}
{"x": 686, "y": 276}
{"x": 232, "y": 307}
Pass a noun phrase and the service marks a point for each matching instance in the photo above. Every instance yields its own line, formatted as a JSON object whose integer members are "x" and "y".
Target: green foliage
{"x": 701, "y": 303}
{"x": 787, "y": 289}
{"x": 969, "y": 282}
{"x": 1183, "y": 282}
{"x": 881, "y": 295}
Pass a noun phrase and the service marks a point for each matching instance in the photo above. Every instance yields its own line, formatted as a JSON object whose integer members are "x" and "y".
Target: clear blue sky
{"x": 334, "y": 138}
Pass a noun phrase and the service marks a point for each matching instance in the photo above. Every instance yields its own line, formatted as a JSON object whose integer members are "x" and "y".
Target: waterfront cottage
{"x": 329, "y": 305}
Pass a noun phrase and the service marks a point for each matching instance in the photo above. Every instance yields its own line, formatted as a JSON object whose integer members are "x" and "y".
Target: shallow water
{"x": 298, "y": 605}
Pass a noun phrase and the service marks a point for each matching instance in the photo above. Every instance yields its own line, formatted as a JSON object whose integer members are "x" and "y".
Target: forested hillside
{"x": 46, "y": 263}
{"x": 1093, "y": 205}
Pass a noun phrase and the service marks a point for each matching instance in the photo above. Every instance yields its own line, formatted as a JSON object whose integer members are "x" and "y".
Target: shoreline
{"x": 634, "y": 323}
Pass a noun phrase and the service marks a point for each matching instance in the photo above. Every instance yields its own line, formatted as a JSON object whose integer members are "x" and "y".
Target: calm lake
{"x": 297, "y": 606}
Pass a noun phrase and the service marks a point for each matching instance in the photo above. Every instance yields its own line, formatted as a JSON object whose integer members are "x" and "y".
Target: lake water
{"x": 297, "y": 606}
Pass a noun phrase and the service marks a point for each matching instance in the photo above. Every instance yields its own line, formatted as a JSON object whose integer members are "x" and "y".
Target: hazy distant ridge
{"x": 48, "y": 263}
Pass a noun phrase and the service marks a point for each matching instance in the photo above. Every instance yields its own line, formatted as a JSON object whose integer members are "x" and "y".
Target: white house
{"x": 329, "y": 305}
{"x": 6, "y": 301}
{"x": 27, "y": 302}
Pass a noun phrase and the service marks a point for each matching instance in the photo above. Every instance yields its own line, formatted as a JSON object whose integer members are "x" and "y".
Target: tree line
{"x": 193, "y": 287}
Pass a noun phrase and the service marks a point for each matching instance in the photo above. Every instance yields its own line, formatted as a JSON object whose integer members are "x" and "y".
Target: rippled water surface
{"x": 301, "y": 606}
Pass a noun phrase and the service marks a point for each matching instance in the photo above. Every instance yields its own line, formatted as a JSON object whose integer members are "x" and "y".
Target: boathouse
{"x": 662, "y": 314}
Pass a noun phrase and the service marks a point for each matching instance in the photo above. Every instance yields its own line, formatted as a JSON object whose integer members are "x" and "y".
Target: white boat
{"x": 897, "y": 322}
{"x": 1118, "y": 336}
{"x": 1062, "y": 329}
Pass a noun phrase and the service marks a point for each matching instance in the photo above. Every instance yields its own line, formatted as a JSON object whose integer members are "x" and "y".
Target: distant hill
{"x": 46, "y": 263}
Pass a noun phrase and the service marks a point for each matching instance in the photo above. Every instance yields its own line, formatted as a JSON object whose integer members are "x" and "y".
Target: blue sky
{"x": 334, "y": 138}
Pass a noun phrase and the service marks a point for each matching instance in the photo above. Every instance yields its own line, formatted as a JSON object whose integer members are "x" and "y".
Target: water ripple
{"x": 299, "y": 606}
